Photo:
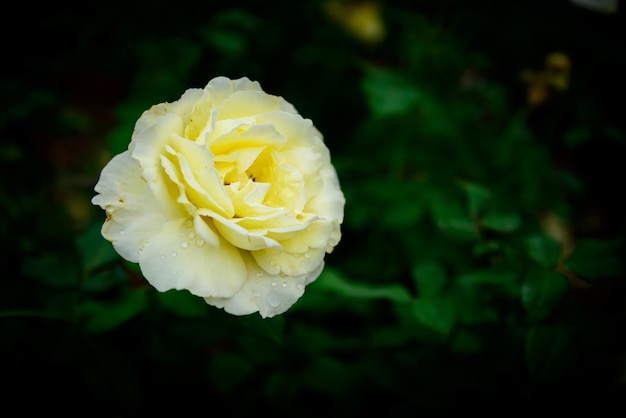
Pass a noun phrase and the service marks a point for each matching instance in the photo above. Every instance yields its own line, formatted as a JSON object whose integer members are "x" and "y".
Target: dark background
{"x": 481, "y": 264}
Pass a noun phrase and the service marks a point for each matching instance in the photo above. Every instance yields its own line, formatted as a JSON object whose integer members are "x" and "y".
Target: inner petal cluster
{"x": 232, "y": 176}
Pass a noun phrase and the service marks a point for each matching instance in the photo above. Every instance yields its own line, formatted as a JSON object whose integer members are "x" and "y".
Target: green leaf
{"x": 388, "y": 93}
{"x": 477, "y": 197}
{"x": 541, "y": 291}
{"x": 183, "y": 303}
{"x": 450, "y": 218}
{"x": 229, "y": 31}
{"x": 227, "y": 41}
{"x": 95, "y": 251}
{"x": 430, "y": 278}
{"x": 594, "y": 258}
{"x": 437, "y": 313}
{"x": 550, "y": 353}
{"x": 102, "y": 316}
{"x": 501, "y": 222}
{"x": 105, "y": 280}
{"x": 500, "y": 279}
{"x": 334, "y": 282}
{"x": 543, "y": 249}
{"x": 51, "y": 270}
{"x": 474, "y": 294}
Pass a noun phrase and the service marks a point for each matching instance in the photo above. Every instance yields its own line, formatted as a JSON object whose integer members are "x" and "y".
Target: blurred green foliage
{"x": 482, "y": 261}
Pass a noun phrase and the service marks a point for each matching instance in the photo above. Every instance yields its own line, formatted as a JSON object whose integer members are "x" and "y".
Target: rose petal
{"x": 290, "y": 124}
{"x": 132, "y": 210}
{"x": 315, "y": 235}
{"x": 330, "y": 201}
{"x": 182, "y": 107}
{"x": 286, "y": 189}
{"x": 220, "y": 88}
{"x": 274, "y": 261}
{"x": 147, "y": 148}
{"x": 198, "y": 168}
{"x": 243, "y": 103}
{"x": 173, "y": 260}
{"x": 246, "y": 136}
{"x": 236, "y": 235}
{"x": 248, "y": 199}
{"x": 268, "y": 294}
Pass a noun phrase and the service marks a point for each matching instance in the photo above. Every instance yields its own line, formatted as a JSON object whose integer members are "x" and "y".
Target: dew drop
{"x": 174, "y": 253}
{"x": 188, "y": 223}
{"x": 273, "y": 300}
{"x": 284, "y": 284}
{"x": 199, "y": 242}
{"x": 191, "y": 235}
{"x": 184, "y": 244}
{"x": 259, "y": 274}
{"x": 274, "y": 284}
{"x": 307, "y": 255}
{"x": 299, "y": 286}
{"x": 122, "y": 232}
{"x": 162, "y": 256}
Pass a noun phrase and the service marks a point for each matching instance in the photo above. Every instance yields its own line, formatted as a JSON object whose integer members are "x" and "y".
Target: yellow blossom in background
{"x": 554, "y": 75}
{"x": 361, "y": 19}
{"x": 557, "y": 69}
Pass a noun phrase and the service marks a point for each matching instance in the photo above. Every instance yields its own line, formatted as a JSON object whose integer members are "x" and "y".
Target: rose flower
{"x": 228, "y": 193}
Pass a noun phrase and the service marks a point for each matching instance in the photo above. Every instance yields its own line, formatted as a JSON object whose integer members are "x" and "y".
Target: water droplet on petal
{"x": 184, "y": 244}
{"x": 273, "y": 300}
{"x": 174, "y": 253}
{"x": 162, "y": 256}
{"x": 122, "y": 232}
{"x": 259, "y": 274}
{"x": 299, "y": 286}
{"x": 188, "y": 223}
{"x": 199, "y": 242}
{"x": 274, "y": 284}
{"x": 284, "y": 284}
{"x": 307, "y": 255}
{"x": 191, "y": 235}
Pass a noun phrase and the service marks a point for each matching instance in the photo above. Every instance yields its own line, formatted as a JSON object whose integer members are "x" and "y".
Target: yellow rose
{"x": 228, "y": 193}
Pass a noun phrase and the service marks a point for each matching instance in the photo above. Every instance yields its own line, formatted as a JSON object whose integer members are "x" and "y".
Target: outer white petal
{"x": 176, "y": 258}
{"x": 315, "y": 235}
{"x": 274, "y": 261}
{"x": 268, "y": 294}
{"x": 290, "y": 124}
{"x": 133, "y": 213}
{"x": 330, "y": 201}
{"x": 244, "y": 103}
{"x": 221, "y": 88}
{"x": 147, "y": 147}
{"x": 182, "y": 107}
